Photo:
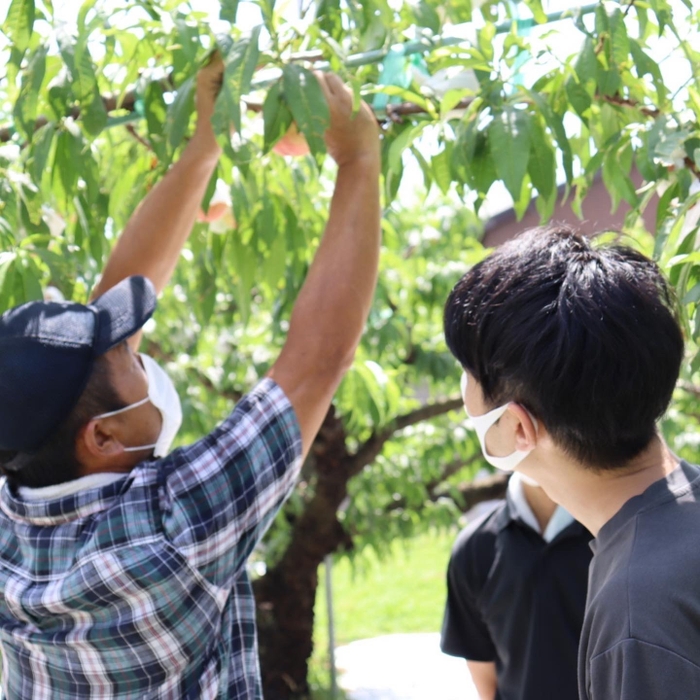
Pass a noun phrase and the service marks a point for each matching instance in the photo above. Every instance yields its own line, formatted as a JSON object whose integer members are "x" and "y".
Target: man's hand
{"x": 209, "y": 80}
{"x": 349, "y": 138}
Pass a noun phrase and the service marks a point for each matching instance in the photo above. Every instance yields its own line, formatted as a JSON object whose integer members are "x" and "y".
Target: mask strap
{"x": 122, "y": 410}
{"x": 139, "y": 447}
{"x": 492, "y": 416}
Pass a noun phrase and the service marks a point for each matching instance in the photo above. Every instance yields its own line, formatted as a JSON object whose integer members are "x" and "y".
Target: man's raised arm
{"x": 332, "y": 307}
{"x": 151, "y": 242}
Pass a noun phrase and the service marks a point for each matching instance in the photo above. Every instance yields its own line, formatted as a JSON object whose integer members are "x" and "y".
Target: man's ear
{"x": 99, "y": 440}
{"x": 527, "y": 430}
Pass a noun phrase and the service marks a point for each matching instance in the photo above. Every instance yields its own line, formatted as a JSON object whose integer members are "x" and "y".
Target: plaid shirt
{"x": 138, "y": 589}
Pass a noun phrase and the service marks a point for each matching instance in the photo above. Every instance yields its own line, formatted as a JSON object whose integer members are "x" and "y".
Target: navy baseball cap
{"x": 47, "y": 350}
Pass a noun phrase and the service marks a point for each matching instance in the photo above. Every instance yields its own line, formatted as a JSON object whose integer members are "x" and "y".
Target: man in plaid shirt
{"x": 122, "y": 567}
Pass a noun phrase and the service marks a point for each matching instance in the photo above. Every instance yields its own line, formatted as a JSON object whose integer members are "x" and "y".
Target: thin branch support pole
{"x": 425, "y": 44}
{"x": 431, "y": 43}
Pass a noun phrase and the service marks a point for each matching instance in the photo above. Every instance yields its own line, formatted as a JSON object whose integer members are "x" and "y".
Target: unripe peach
{"x": 216, "y": 211}
{"x": 292, "y": 143}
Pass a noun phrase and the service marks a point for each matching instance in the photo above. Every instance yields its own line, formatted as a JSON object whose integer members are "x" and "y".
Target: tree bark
{"x": 286, "y": 594}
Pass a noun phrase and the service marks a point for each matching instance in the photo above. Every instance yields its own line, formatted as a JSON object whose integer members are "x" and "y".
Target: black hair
{"x": 55, "y": 462}
{"x": 586, "y": 338}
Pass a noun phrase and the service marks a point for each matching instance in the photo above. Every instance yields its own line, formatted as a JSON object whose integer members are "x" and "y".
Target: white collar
{"x": 560, "y": 519}
{"x": 67, "y": 488}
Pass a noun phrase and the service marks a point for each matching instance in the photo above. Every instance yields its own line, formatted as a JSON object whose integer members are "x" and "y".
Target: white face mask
{"x": 482, "y": 424}
{"x": 163, "y": 395}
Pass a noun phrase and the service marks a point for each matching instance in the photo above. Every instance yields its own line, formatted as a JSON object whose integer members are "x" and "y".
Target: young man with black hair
{"x": 516, "y": 592}
{"x": 122, "y": 569}
{"x": 570, "y": 355}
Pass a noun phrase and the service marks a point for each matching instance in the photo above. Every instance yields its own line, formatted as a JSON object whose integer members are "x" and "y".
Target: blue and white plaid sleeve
{"x": 219, "y": 496}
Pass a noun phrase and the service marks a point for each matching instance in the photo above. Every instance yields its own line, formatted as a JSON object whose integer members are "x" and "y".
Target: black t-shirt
{"x": 517, "y": 600}
{"x": 641, "y": 636}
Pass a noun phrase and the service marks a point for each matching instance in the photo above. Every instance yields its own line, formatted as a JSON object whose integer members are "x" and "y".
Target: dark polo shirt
{"x": 518, "y": 601}
{"x": 641, "y": 635}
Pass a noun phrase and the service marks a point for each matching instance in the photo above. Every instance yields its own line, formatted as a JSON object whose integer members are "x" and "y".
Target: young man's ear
{"x": 526, "y": 432}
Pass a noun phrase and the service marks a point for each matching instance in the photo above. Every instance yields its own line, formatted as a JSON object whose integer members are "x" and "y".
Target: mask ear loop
{"x": 121, "y": 410}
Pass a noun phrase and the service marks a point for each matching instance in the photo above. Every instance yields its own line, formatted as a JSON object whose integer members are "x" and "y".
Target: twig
{"x": 626, "y": 102}
{"x": 132, "y": 130}
{"x": 368, "y": 451}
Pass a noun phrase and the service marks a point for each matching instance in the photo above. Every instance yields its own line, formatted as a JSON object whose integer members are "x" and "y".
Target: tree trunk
{"x": 286, "y": 594}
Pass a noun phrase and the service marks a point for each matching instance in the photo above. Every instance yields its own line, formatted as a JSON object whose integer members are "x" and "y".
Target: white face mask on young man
{"x": 482, "y": 424}
{"x": 163, "y": 395}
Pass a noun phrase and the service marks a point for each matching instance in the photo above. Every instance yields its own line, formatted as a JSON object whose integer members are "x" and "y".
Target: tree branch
{"x": 626, "y": 102}
{"x": 486, "y": 489}
{"x": 370, "y": 449}
{"x": 690, "y": 388}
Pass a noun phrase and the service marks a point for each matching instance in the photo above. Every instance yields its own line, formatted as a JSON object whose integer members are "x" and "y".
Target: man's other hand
{"x": 350, "y": 137}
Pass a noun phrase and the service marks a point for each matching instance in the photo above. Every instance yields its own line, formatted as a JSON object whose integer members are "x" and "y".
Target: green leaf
{"x": 535, "y": 6}
{"x": 307, "y": 104}
{"x": 647, "y": 66}
{"x": 579, "y": 98}
{"x": 209, "y": 192}
{"x": 77, "y": 59}
{"x": 450, "y": 100}
{"x": 31, "y": 281}
{"x": 483, "y": 170}
{"x": 228, "y": 10}
{"x": 244, "y": 259}
{"x": 7, "y": 274}
{"x": 19, "y": 23}
{"x": 693, "y": 295}
{"x": 509, "y": 139}
{"x": 179, "y": 113}
{"x": 156, "y": 114}
{"x": 93, "y": 114}
{"x": 427, "y": 16}
{"x": 586, "y": 63}
{"x": 617, "y": 181}
{"x": 60, "y": 99}
{"x": 542, "y": 165}
{"x": 25, "y": 107}
{"x": 67, "y": 161}
{"x": 276, "y": 116}
{"x": 556, "y": 125}
{"x": 275, "y": 263}
{"x": 662, "y": 209}
{"x": 40, "y": 148}
{"x": 441, "y": 168}
{"x": 609, "y": 81}
{"x": 619, "y": 38}
{"x": 240, "y": 63}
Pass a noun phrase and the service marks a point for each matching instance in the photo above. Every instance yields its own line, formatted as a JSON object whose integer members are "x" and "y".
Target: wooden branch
{"x": 435, "y": 487}
{"x": 486, "y": 489}
{"x": 130, "y": 128}
{"x": 370, "y": 449}
{"x": 626, "y": 102}
{"x": 396, "y": 112}
{"x": 111, "y": 103}
{"x": 690, "y": 388}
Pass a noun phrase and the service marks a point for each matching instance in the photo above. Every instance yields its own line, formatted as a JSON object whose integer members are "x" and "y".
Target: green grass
{"x": 402, "y": 593}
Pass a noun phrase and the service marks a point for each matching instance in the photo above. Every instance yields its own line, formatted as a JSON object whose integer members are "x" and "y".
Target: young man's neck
{"x": 593, "y": 497}
{"x": 540, "y": 503}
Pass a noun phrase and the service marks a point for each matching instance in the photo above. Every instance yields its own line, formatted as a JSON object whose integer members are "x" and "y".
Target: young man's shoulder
{"x": 477, "y": 540}
{"x": 645, "y": 578}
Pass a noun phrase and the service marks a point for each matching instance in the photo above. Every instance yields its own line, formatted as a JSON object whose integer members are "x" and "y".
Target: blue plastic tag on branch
{"x": 394, "y": 72}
